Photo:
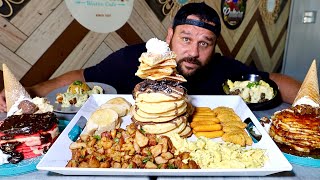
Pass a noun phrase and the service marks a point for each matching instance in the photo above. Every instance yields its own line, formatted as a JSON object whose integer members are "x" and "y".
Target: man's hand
{"x": 3, "y": 106}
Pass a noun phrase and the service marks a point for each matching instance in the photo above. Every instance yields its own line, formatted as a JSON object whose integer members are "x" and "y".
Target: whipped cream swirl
{"x": 42, "y": 103}
{"x": 157, "y": 46}
{"x": 307, "y": 101}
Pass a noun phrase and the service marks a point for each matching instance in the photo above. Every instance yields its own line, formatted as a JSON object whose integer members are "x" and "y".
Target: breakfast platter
{"x": 59, "y": 154}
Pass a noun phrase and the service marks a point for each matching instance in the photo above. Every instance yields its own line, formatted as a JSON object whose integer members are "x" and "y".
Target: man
{"x": 193, "y": 38}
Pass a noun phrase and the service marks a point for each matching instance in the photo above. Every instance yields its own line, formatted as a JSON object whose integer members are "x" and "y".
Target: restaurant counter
{"x": 298, "y": 172}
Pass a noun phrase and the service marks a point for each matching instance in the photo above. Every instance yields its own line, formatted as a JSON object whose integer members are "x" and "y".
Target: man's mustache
{"x": 190, "y": 60}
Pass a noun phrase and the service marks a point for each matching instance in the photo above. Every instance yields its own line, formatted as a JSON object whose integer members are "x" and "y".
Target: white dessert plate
{"x": 58, "y": 155}
{"x": 73, "y": 109}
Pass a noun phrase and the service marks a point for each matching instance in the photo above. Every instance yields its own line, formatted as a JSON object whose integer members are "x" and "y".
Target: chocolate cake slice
{"x": 28, "y": 135}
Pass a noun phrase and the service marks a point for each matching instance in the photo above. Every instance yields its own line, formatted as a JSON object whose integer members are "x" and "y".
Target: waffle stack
{"x": 299, "y": 126}
{"x": 161, "y": 105}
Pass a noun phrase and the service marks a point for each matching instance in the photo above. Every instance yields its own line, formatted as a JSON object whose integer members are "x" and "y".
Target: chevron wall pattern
{"x": 41, "y": 40}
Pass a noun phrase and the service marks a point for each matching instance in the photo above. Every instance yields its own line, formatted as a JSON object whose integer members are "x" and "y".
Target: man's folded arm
{"x": 44, "y": 88}
{"x": 288, "y": 86}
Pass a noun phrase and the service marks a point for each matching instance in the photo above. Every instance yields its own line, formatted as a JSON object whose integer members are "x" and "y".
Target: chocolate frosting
{"x": 164, "y": 86}
{"x": 10, "y": 148}
{"x": 23, "y": 125}
{"x": 27, "y": 124}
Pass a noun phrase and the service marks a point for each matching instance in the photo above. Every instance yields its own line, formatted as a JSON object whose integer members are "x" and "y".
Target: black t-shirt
{"x": 119, "y": 68}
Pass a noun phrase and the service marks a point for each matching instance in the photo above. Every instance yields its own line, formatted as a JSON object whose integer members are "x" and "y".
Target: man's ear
{"x": 169, "y": 35}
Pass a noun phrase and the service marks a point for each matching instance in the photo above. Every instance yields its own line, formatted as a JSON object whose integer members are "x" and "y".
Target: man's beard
{"x": 189, "y": 60}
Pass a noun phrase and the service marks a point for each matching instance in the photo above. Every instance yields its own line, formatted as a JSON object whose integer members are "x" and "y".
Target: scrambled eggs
{"x": 209, "y": 154}
{"x": 77, "y": 94}
{"x": 251, "y": 92}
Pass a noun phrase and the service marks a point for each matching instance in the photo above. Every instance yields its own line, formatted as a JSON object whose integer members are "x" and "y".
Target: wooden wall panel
{"x": 33, "y": 14}
{"x": 10, "y": 36}
{"x": 275, "y": 30}
{"x": 114, "y": 41}
{"x": 14, "y": 62}
{"x": 58, "y": 52}
{"x": 277, "y": 56}
{"x": 81, "y": 53}
{"x": 138, "y": 25}
{"x": 150, "y": 19}
{"x": 43, "y": 40}
{"x": 129, "y": 35}
{"x": 44, "y": 36}
{"x": 167, "y": 21}
{"x": 102, "y": 52}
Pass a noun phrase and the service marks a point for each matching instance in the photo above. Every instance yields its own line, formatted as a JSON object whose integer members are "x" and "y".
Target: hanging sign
{"x": 233, "y": 12}
{"x": 101, "y": 16}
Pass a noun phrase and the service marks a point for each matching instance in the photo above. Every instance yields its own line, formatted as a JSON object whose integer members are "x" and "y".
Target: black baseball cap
{"x": 204, "y": 12}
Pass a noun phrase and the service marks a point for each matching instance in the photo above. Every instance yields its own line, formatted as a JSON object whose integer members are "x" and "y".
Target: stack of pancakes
{"x": 299, "y": 126}
{"x": 161, "y": 105}
{"x": 156, "y": 66}
{"x": 29, "y": 130}
{"x": 301, "y": 132}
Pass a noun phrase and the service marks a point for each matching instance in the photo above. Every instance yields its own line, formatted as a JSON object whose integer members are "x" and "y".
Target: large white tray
{"x": 59, "y": 154}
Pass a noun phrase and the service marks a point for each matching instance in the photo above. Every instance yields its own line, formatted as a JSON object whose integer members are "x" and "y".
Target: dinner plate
{"x": 275, "y": 101}
{"x": 58, "y": 155}
{"x": 29, "y": 165}
{"x": 73, "y": 109}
